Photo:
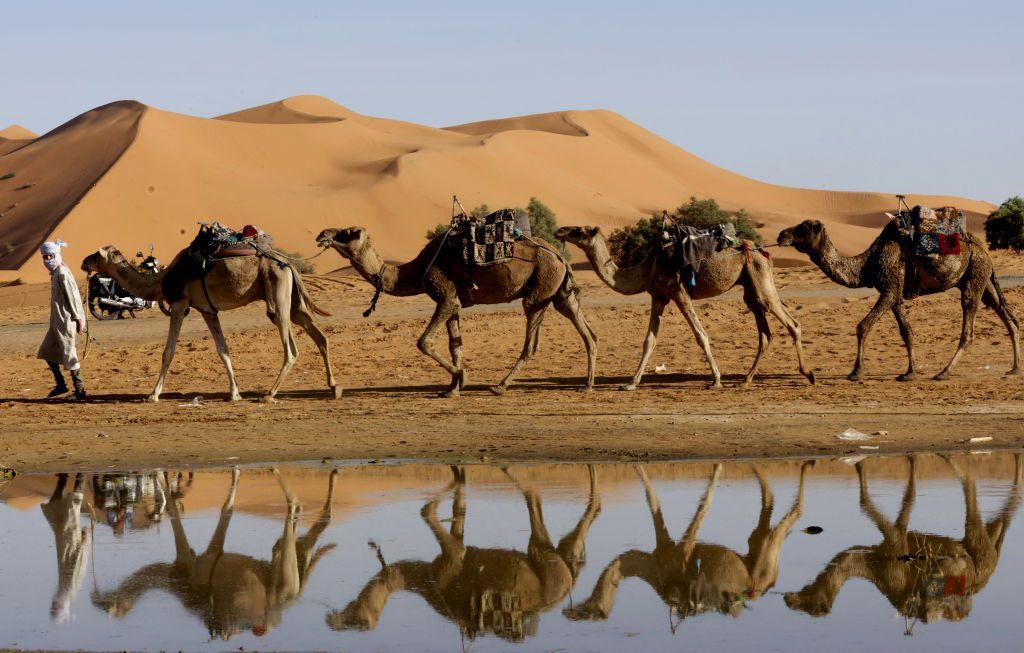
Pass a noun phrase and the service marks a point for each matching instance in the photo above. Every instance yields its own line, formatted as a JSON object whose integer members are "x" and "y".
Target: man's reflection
{"x": 63, "y": 512}
{"x": 231, "y": 592}
{"x": 925, "y": 577}
{"x": 694, "y": 577}
{"x": 502, "y": 591}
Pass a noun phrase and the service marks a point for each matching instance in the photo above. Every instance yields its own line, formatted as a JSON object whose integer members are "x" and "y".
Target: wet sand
{"x": 390, "y": 410}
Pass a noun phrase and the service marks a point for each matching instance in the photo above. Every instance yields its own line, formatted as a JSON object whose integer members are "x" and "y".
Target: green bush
{"x": 438, "y": 230}
{"x": 1004, "y": 227}
{"x": 629, "y": 245}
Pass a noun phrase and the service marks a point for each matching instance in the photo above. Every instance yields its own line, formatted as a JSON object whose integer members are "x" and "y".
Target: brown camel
{"x": 230, "y": 592}
{"x": 694, "y": 577}
{"x": 231, "y": 283}
{"x": 503, "y": 591}
{"x": 925, "y": 577}
{"x": 899, "y": 275}
{"x": 656, "y": 276}
{"x": 536, "y": 273}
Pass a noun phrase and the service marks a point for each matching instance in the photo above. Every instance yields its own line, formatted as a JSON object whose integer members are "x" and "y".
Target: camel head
{"x": 355, "y": 616}
{"x": 348, "y": 242}
{"x": 805, "y": 237}
{"x": 102, "y": 260}
{"x": 814, "y": 603}
{"x": 581, "y": 237}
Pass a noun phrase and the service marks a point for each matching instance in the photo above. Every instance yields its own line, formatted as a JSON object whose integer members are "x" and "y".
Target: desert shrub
{"x": 629, "y": 245}
{"x": 1004, "y": 227}
{"x": 5, "y": 176}
{"x": 439, "y": 229}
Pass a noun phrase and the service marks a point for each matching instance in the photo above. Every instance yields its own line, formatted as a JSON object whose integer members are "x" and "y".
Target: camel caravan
{"x": 494, "y": 259}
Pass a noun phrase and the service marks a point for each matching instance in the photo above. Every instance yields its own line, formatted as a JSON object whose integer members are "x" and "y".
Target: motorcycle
{"x": 108, "y": 301}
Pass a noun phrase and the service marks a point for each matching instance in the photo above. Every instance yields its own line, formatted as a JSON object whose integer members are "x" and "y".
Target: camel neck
{"x": 145, "y": 285}
{"x": 844, "y": 270}
{"x": 399, "y": 280}
{"x": 628, "y": 281}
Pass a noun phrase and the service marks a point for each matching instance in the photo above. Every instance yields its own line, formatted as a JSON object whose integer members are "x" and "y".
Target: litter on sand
{"x": 7, "y": 474}
{"x": 197, "y": 401}
{"x": 984, "y": 438}
{"x": 658, "y": 369}
{"x": 982, "y": 452}
{"x": 869, "y": 447}
{"x": 852, "y": 434}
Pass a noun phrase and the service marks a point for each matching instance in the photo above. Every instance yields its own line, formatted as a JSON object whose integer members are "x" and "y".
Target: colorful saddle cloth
{"x": 938, "y": 232}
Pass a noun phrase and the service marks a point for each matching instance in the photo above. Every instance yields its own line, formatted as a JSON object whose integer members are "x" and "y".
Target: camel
{"x": 230, "y": 283}
{"x": 925, "y": 577}
{"x": 230, "y": 592}
{"x": 693, "y": 577}
{"x": 900, "y": 275}
{"x": 482, "y": 590}
{"x": 656, "y": 276}
{"x": 536, "y": 273}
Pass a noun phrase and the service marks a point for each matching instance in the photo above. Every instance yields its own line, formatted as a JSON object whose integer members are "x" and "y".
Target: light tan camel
{"x": 898, "y": 275}
{"x": 232, "y": 283}
{"x": 925, "y": 577}
{"x": 230, "y": 592}
{"x": 503, "y": 591}
{"x": 659, "y": 278}
{"x": 536, "y": 273}
{"x": 693, "y": 577}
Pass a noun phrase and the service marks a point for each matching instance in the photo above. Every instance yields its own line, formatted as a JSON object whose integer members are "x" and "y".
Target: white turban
{"x": 52, "y": 247}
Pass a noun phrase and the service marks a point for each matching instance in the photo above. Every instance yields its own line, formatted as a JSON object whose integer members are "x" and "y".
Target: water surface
{"x": 919, "y": 554}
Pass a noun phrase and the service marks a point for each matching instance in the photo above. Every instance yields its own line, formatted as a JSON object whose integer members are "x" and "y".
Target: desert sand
{"x": 129, "y": 175}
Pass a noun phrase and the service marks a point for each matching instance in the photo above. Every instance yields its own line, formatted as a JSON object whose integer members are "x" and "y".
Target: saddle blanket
{"x": 214, "y": 240}
{"x": 940, "y": 231}
{"x": 490, "y": 239}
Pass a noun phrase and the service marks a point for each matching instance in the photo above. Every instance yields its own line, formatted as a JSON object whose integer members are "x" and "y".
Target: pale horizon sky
{"x": 915, "y": 97}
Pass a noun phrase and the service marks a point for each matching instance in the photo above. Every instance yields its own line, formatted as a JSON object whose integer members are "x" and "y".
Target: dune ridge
{"x": 130, "y": 175}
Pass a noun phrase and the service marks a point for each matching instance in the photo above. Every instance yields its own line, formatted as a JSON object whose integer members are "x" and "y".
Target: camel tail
{"x": 304, "y": 294}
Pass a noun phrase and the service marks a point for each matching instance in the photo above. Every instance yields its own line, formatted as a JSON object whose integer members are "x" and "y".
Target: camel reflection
{"x": 135, "y": 502}
{"x": 501, "y": 591}
{"x": 64, "y": 514}
{"x": 925, "y": 577}
{"x": 230, "y": 592}
{"x": 693, "y": 577}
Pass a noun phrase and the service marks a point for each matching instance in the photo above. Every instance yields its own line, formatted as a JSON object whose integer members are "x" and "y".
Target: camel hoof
{"x": 448, "y": 394}
{"x": 337, "y": 391}
{"x": 1015, "y": 372}
{"x": 587, "y": 388}
{"x": 629, "y": 387}
{"x": 498, "y": 389}
{"x": 855, "y": 376}
{"x": 747, "y": 384}
{"x": 153, "y": 399}
{"x": 715, "y": 385}
{"x": 810, "y": 378}
{"x": 907, "y": 376}
{"x": 268, "y": 399}
{"x": 941, "y": 376}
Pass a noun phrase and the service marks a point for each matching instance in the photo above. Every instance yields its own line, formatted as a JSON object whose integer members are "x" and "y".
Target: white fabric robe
{"x": 65, "y": 307}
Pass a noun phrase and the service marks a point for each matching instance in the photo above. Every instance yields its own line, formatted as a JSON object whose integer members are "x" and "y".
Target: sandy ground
{"x": 390, "y": 410}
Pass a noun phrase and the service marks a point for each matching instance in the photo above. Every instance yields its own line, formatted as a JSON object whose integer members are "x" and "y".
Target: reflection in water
{"x": 740, "y": 564}
{"x": 72, "y": 542}
{"x": 694, "y": 577}
{"x": 925, "y": 577}
{"x": 501, "y": 591}
{"x": 230, "y": 592}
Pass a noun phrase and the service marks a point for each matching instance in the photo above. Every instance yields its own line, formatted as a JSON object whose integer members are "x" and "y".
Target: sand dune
{"x": 131, "y": 175}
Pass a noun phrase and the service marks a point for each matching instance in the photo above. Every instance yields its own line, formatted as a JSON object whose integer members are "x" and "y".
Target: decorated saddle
{"x": 689, "y": 246}
{"x": 491, "y": 238}
{"x": 214, "y": 240}
{"x": 930, "y": 232}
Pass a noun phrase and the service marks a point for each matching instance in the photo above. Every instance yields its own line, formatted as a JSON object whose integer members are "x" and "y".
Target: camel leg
{"x": 534, "y": 314}
{"x": 778, "y": 309}
{"x": 992, "y": 300}
{"x": 283, "y": 297}
{"x": 661, "y": 537}
{"x": 689, "y": 540}
{"x": 173, "y": 331}
{"x": 884, "y": 303}
{"x": 442, "y": 312}
{"x": 455, "y": 349}
{"x": 899, "y": 311}
{"x": 304, "y": 546}
{"x": 572, "y": 547}
{"x": 682, "y": 300}
{"x": 302, "y": 317}
{"x": 284, "y": 563}
{"x": 970, "y": 302}
{"x": 213, "y": 324}
{"x": 568, "y": 304}
{"x": 764, "y": 337}
{"x": 658, "y": 304}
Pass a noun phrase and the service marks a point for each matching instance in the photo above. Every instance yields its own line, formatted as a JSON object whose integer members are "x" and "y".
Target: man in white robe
{"x": 67, "y": 319}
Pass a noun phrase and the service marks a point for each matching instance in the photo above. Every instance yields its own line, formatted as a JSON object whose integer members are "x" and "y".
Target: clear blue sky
{"x": 868, "y": 95}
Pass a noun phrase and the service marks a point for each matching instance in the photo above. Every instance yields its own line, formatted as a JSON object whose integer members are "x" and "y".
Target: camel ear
{"x": 890, "y": 215}
{"x": 593, "y": 231}
{"x": 816, "y": 227}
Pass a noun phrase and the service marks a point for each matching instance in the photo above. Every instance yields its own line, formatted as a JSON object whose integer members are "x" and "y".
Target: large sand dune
{"x": 131, "y": 175}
